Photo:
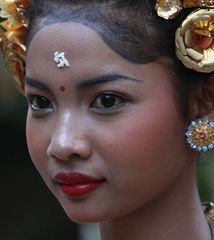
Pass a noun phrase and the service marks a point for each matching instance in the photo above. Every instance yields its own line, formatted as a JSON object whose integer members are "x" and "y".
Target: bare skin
{"x": 137, "y": 145}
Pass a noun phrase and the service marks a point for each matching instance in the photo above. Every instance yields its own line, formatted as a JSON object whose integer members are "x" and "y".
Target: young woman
{"x": 109, "y": 108}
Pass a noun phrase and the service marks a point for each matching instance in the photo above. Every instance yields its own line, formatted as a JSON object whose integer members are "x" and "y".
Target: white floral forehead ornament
{"x": 194, "y": 38}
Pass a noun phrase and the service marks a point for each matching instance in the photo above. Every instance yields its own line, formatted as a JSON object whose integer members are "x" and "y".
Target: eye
{"x": 108, "y": 102}
{"x": 39, "y": 103}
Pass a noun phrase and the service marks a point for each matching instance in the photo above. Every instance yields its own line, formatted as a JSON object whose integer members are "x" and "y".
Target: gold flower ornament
{"x": 194, "y": 38}
{"x": 194, "y": 41}
{"x": 13, "y": 34}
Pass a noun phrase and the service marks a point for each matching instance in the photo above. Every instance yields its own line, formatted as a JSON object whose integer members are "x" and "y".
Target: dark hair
{"x": 129, "y": 27}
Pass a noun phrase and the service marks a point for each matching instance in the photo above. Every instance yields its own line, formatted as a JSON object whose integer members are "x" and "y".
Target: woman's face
{"x": 104, "y": 117}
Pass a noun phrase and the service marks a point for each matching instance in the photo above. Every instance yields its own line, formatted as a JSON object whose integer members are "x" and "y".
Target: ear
{"x": 201, "y": 101}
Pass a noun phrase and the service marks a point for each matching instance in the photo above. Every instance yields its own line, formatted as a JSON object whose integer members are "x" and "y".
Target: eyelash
{"x": 114, "y": 103}
{"x": 102, "y": 103}
{"x": 34, "y": 104}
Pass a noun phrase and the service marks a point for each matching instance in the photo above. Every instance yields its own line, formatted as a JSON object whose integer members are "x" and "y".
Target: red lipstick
{"x": 77, "y": 184}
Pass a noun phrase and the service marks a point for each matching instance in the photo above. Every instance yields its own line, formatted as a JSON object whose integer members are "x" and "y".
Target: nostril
{"x": 69, "y": 148}
{"x": 70, "y": 157}
{"x": 75, "y": 156}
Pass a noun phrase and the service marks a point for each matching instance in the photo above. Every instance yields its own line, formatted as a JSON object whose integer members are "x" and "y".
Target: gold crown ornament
{"x": 194, "y": 38}
{"x": 208, "y": 208}
{"x": 13, "y": 37}
{"x": 198, "y": 3}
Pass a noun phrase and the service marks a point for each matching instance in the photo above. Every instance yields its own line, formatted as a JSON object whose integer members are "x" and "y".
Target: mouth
{"x": 76, "y": 184}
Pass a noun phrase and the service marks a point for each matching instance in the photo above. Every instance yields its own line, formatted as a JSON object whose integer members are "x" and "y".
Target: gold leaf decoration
{"x": 13, "y": 36}
{"x": 198, "y": 3}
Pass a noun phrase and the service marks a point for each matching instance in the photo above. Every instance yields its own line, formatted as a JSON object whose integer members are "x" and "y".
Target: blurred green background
{"x": 28, "y": 210}
{"x": 206, "y": 177}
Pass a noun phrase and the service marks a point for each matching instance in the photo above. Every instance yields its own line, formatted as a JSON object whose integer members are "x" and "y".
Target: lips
{"x": 76, "y": 184}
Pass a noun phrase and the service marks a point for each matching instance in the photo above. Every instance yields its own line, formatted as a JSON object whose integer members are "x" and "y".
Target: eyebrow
{"x": 105, "y": 79}
{"x": 85, "y": 84}
{"x": 33, "y": 83}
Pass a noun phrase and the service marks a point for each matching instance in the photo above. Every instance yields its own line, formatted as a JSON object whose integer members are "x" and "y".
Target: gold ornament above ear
{"x": 168, "y": 9}
{"x": 198, "y": 3}
{"x": 13, "y": 36}
{"x": 194, "y": 39}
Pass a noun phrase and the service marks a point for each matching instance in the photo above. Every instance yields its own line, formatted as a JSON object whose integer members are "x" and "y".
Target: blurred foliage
{"x": 206, "y": 177}
{"x": 12, "y": 104}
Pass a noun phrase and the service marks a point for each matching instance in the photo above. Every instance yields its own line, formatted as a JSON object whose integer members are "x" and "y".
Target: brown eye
{"x": 108, "y": 102}
{"x": 40, "y": 103}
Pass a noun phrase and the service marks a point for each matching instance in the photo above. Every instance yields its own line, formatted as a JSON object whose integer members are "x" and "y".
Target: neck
{"x": 173, "y": 215}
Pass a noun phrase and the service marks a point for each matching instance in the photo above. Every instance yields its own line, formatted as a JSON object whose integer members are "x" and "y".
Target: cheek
{"x": 146, "y": 142}
{"x": 37, "y": 141}
{"x": 147, "y": 131}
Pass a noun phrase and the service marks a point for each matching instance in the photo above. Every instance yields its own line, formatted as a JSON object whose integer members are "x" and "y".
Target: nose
{"x": 68, "y": 140}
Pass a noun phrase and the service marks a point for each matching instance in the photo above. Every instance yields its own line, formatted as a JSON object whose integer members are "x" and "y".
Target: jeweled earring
{"x": 200, "y": 135}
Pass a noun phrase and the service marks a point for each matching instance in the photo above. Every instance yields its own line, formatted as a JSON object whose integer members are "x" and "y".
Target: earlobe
{"x": 201, "y": 101}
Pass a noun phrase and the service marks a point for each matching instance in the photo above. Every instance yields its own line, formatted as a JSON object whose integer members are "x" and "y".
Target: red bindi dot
{"x": 62, "y": 88}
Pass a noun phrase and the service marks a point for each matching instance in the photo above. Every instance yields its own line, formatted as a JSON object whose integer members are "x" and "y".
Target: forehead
{"x": 89, "y": 56}
{"x": 82, "y": 47}
{"x": 64, "y": 35}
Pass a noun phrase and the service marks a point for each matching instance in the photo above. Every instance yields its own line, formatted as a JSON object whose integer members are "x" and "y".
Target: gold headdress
{"x": 13, "y": 36}
{"x": 194, "y": 39}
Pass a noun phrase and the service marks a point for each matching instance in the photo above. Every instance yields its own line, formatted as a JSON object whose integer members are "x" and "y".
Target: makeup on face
{"x": 60, "y": 59}
{"x": 107, "y": 123}
{"x": 76, "y": 184}
{"x": 62, "y": 62}
{"x": 62, "y": 88}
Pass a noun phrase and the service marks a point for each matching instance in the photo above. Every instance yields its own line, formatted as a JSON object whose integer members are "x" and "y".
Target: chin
{"x": 82, "y": 218}
{"x": 83, "y": 214}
